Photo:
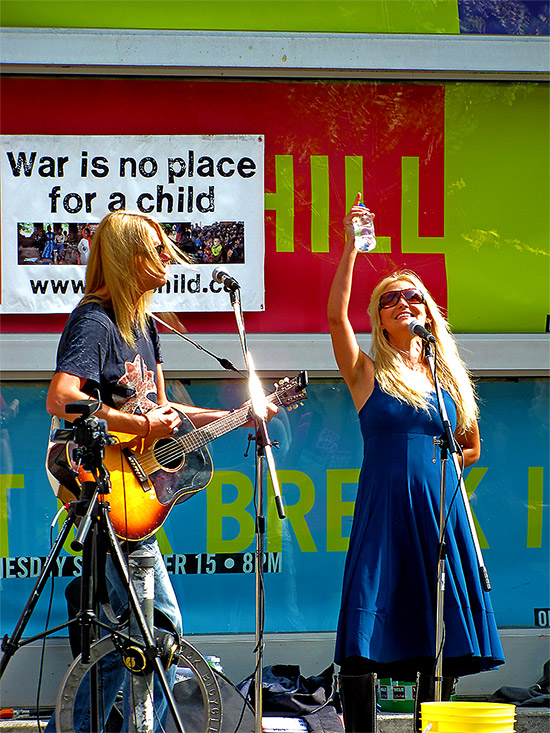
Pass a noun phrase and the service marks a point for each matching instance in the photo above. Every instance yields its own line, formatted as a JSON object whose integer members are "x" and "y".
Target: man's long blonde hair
{"x": 392, "y": 373}
{"x": 112, "y": 275}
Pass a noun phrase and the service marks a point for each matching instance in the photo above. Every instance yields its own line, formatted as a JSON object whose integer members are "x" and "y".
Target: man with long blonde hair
{"x": 110, "y": 346}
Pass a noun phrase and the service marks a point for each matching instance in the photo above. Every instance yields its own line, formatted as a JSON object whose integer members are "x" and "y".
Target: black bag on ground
{"x": 528, "y": 697}
{"x": 190, "y": 705}
{"x": 286, "y": 692}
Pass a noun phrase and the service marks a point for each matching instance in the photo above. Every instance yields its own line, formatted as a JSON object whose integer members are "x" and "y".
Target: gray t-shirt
{"x": 91, "y": 347}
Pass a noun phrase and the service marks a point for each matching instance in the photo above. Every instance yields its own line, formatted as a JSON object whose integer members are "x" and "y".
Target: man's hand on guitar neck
{"x": 271, "y": 410}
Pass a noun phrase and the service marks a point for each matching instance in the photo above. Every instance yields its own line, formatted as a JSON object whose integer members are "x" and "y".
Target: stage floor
{"x": 529, "y": 720}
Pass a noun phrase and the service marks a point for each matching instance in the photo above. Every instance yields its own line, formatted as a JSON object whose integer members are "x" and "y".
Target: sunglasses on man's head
{"x": 392, "y": 297}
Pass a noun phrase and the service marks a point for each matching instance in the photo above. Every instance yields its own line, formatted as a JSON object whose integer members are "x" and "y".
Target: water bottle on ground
{"x": 215, "y": 663}
{"x": 363, "y": 227}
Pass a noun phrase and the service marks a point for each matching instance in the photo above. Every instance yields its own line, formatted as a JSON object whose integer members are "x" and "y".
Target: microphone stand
{"x": 225, "y": 363}
{"x": 263, "y": 451}
{"x": 447, "y": 444}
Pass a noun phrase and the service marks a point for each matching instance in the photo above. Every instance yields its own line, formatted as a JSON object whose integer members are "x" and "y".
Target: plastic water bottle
{"x": 215, "y": 663}
{"x": 363, "y": 228}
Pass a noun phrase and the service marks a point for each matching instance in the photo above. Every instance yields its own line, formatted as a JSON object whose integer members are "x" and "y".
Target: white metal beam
{"x": 32, "y": 356}
{"x": 223, "y": 53}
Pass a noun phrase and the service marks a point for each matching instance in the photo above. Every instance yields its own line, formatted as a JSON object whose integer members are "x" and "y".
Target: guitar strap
{"x": 101, "y": 587}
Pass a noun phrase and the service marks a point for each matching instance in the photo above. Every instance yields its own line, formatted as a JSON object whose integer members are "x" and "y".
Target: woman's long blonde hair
{"x": 112, "y": 272}
{"x": 390, "y": 369}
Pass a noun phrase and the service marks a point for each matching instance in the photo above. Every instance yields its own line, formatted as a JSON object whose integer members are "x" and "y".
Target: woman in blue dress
{"x": 387, "y": 616}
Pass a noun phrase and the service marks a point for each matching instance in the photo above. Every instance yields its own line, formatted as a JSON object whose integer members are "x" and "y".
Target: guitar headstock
{"x": 290, "y": 391}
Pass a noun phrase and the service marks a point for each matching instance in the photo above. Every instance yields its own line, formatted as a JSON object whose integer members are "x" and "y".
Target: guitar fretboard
{"x": 207, "y": 433}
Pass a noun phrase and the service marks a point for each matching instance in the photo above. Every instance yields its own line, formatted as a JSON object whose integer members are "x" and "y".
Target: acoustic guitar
{"x": 147, "y": 482}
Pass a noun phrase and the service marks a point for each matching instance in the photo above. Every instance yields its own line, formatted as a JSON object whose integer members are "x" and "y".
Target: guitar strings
{"x": 171, "y": 450}
{"x": 173, "y": 447}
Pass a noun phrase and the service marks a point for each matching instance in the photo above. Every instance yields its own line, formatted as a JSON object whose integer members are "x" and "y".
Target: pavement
{"x": 528, "y": 720}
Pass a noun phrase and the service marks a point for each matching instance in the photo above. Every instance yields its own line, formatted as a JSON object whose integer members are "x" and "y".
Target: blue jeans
{"x": 113, "y": 675}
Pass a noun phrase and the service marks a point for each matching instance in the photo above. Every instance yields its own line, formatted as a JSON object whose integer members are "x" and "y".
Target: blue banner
{"x": 209, "y": 542}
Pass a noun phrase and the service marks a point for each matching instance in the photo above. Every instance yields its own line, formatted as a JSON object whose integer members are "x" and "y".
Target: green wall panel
{"x": 360, "y": 16}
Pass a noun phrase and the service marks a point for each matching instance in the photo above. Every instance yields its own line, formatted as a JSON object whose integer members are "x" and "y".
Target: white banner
{"x": 207, "y": 191}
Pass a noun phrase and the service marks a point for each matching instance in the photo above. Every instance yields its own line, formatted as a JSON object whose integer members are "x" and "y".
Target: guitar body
{"x": 141, "y": 503}
{"x": 145, "y": 484}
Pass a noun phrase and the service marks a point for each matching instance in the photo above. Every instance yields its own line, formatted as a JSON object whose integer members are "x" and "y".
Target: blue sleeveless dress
{"x": 388, "y": 605}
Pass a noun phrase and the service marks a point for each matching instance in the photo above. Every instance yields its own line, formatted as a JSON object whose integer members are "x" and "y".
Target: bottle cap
{"x": 362, "y": 204}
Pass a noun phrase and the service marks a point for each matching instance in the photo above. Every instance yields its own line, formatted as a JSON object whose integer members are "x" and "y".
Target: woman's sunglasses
{"x": 391, "y": 298}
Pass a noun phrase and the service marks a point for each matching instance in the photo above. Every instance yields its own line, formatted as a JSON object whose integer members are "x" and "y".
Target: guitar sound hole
{"x": 169, "y": 454}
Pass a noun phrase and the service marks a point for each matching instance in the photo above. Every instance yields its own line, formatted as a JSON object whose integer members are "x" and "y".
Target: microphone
{"x": 417, "y": 329}
{"x": 222, "y": 276}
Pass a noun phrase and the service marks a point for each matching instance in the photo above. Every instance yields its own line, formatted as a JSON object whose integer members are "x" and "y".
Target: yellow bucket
{"x": 468, "y": 717}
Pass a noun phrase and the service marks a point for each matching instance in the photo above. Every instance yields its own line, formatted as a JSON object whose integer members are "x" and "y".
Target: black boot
{"x": 358, "y": 694}
{"x": 425, "y": 692}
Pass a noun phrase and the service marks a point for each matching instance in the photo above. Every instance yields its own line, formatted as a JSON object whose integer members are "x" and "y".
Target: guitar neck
{"x": 287, "y": 392}
{"x": 207, "y": 433}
